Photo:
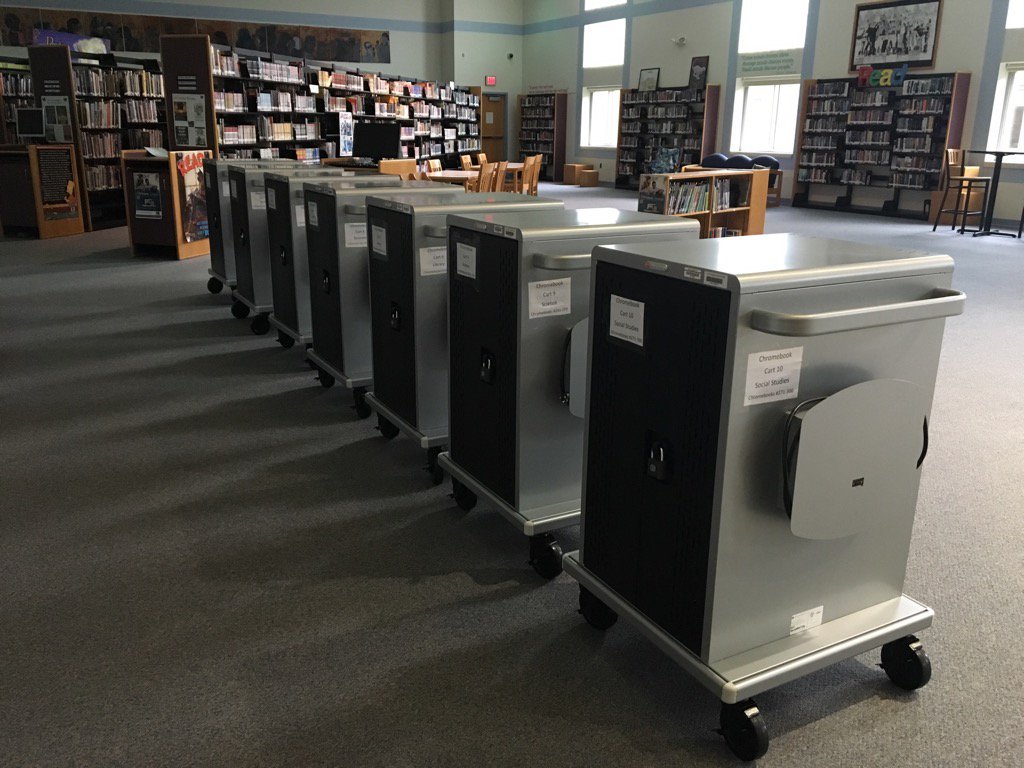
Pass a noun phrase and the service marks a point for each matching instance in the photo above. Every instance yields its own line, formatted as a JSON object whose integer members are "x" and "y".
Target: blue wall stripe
{"x": 989, "y": 79}
{"x": 729, "y": 89}
{"x": 810, "y": 39}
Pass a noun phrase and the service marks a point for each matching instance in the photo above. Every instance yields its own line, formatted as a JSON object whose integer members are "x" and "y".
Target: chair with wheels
{"x": 962, "y": 181}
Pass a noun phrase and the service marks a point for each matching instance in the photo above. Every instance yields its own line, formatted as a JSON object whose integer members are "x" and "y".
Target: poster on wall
{"x": 56, "y": 118}
{"x": 189, "y": 115}
{"x": 345, "y": 126}
{"x": 194, "y": 224}
{"x": 896, "y": 32}
{"x": 148, "y": 199}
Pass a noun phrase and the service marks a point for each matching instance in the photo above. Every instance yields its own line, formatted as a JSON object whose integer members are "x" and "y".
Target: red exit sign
{"x": 490, "y": 80}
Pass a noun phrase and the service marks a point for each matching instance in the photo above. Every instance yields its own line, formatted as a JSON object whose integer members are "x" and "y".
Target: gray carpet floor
{"x": 207, "y": 560}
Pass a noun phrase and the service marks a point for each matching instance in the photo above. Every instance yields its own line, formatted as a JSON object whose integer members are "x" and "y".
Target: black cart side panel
{"x": 324, "y": 287}
{"x": 282, "y": 259}
{"x": 649, "y": 538}
{"x": 392, "y": 305}
{"x": 240, "y": 223}
{"x": 214, "y": 201}
{"x": 483, "y": 321}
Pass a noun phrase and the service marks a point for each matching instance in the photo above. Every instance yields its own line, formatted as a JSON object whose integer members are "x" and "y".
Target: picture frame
{"x": 698, "y": 73}
{"x": 649, "y": 79}
{"x": 895, "y": 33}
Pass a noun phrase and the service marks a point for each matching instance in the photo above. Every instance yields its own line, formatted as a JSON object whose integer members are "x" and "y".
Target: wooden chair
{"x": 467, "y": 162}
{"x": 774, "y": 188}
{"x": 498, "y": 184}
{"x": 397, "y": 167}
{"x": 434, "y": 166}
{"x": 484, "y": 179}
{"x": 962, "y": 182}
{"x": 481, "y": 158}
{"x": 531, "y": 175}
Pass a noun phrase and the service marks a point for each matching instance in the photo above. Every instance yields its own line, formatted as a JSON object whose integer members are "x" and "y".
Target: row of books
{"x": 867, "y": 156}
{"x": 140, "y": 138}
{"x": 870, "y": 98}
{"x": 16, "y": 83}
{"x": 923, "y": 106}
{"x": 275, "y": 71}
{"x": 861, "y": 138}
{"x": 724, "y": 232}
{"x": 545, "y": 100}
{"x": 688, "y": 197}
{"x": 662, "y": 96}
{"x": 142, "y": 83}
{"x": 869, "y": 116}
{"x": 141, "y": 111}
{"x": 101, "y": 145}
{"x": 823, "y": 107}
{"x": 731, "y": 193}
{"x": 101, "y": 177}
{"x": 928, "y": 85}
{"x": 817, "y": 159}
{"x": 92, "y": 81}
{"x": 229, "y": 101}
{"x": 921, "y": 144}
{"x": 923, "y": 124}
{"x": 536, "y": 112}
{"x": 99, "y": 114}
{"x": 921, "y": 163}
{"x": 826, "y": 89}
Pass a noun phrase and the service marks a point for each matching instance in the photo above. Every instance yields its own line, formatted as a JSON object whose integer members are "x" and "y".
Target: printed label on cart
{"x": 234, "y": 189}
{"x": 300, "y": 216}
{"x": 806, "y": 620}
{"x": 225, "y": 189}
{"x": 715, "y": 279}
{"x": 549, "y": 298}
{"x": 434, "y": 260}
{"x": 311, "y": 216}
{"x": 355, "y": 235}
{"x": 271, "y": 198}
{"x": 466, "y": 264}
{"x": 773, "y": 375}
{"x": 627, "y": 320}
{"x": 258, "y": 200}
{"x": 692, "y": 273}
{"x": 379, "y": 236}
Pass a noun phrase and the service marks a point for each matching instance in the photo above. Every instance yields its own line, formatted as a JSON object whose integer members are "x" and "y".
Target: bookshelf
{"x": 725, "y": 202}
{"x": 542, "y": 131}
{"x": 15, "y": 92}
{"x": 877, "y": 149}
{"x": 666, "y": 117}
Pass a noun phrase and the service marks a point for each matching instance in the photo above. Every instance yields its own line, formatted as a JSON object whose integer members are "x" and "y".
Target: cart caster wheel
{"x": 546, "y": 555}
{"x": 239, "y": 310}
{"x": 386, "y": 428}
{"x": 744, "y": 729}
{"x": 362, "y": 409}
{"x": 285, "y": 340}
{"x": 906, "y": 663}
{"x": 325, "y": 379}
{"x": 464, "y": 497}
{"x": 436, "y": 470}
{"x": 213, "y": 285}
{"x": 597, "y": 614}
{"x": 260, "y": 325}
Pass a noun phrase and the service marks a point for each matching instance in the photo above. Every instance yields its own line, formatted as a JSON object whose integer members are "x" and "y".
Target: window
{"x": 1007, "y": 133}
{"x": 765, "y": 115}
{"x": 599, "y": 117}
{"x": 772, "y": 25}
{"x": 604, "y": 44}
{"x": 593, "y": 5}
{"x": 1015, "y": 15}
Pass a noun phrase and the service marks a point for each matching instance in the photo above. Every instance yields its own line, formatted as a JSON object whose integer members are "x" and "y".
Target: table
{"x": 454, "y": 177}
{"x": 990, "y": 207}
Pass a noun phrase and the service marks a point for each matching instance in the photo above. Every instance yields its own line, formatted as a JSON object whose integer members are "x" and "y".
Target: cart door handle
{"x": 284, "y": 257}
{"x": 355, "y": 210}
{"x": 440, "y": 233}
{"x": 560, "y": 263}
{"x": 242, "y": 236}
{"x": 326, "y": 281}
{"x": 942, "y": 302}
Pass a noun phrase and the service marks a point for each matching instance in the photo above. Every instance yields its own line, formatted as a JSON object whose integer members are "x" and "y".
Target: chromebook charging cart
{"x": 218, "y": 209}
{"x": 408, "y": 309}
{"x": 757, "y": 420}
{"x": 518, "y": 292}
{"x": 289, "y": 266}
{"x": 339, "y": 284}
{"x": 253, "y": 291}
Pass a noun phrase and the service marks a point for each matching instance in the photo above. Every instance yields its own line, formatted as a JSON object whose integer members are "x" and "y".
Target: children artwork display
{"x": 191, "y": 183}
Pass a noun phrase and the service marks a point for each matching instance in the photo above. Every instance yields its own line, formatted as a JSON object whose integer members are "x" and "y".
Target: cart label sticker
{"x": 773, "y": 375}
{"x": 806, "y": 620}
{"x": 311, "y": 216}
{"x": 271, "y": 198}
{"x": 549, "y": 298}
{"x": 225, "y": 189}
{"x": 258, "y": 200}
{"x": 434, "y": 260}
{"x": 379, "y": 235}
{"x": 355, "y": 235}
{"x": 627, "y": 320}
{"x": 692, "y": 273}
{"x": 466, "y": 260}
{"x": 234, "y": 189}
{"x": 715, "y": 279}
{"x": 300, "y": 216}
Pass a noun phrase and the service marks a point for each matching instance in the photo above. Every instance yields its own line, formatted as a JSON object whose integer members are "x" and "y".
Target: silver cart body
{"x": 286, "y": 235}
{"x": 253, "y": 290}
{"x": 409, "y": 308}
{"x": 218, "y": 209}
{"x": 339, "y": 285}
{"x": 519, "y": 284}
{"x": 756, "y": 424}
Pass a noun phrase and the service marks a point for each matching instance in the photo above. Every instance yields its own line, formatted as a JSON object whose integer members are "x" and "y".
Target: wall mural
{"x": 91, "y": 31}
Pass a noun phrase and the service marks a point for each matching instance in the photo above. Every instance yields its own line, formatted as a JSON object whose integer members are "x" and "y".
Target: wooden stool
{"x": 962, "y": 184}
{"x": 588, "y": 178}
{"x": 570, "y": 172}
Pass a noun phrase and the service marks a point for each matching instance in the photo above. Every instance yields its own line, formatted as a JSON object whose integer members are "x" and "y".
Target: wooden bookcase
{"x": 725, "y": 202}
{"x": 877, "y": 149}
{"x": 41, "y": 195}
{"x": 15, "y": 92}
{"x": 542, "y": 131}
{"x": 667, "y": 117}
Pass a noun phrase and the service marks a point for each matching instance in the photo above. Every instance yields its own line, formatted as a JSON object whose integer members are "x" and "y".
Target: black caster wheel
{"x": 464, "y": 497}
{"x": 386, "y": 428}
{"x": 597, "y": 614}
{"x": 906, "y": 663}
{"x": 213, "y": 285}
{"x": 359, "y": 397}
{"x": 286, "y": 341}
{"x": 240, "y": 310}
{"x": 436, "y": 470}
{"x": 260, "y": 325}
{"x": 325, "y": 379}
{"x": 744, "y": 729}
{"x": 546, "y": 555}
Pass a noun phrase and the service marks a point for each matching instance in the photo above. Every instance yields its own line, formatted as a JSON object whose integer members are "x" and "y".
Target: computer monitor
{"x": 377, "y": 140}
{"x": 29, "y": 122}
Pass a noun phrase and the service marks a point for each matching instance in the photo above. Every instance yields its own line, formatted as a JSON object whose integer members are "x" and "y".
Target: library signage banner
{"x": 767, "y": 63}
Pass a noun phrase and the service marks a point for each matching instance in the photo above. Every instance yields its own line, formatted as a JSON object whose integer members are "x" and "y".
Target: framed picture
{"x": 698, "y": 73}
{"x": 649, "y": 79}
{"x": 894, "y": 33}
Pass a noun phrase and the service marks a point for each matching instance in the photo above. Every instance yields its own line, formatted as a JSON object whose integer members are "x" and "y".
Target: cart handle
{"x": 942, "y": 302}
{"x": 355, "y": 210}
{"x": 440, "y": 233}
{"x": 560, "y": 263}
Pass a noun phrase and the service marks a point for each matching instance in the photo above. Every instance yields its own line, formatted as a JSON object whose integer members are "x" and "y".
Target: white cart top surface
{"x": 568, "y": 224}
{"x": 462, "y": 202}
